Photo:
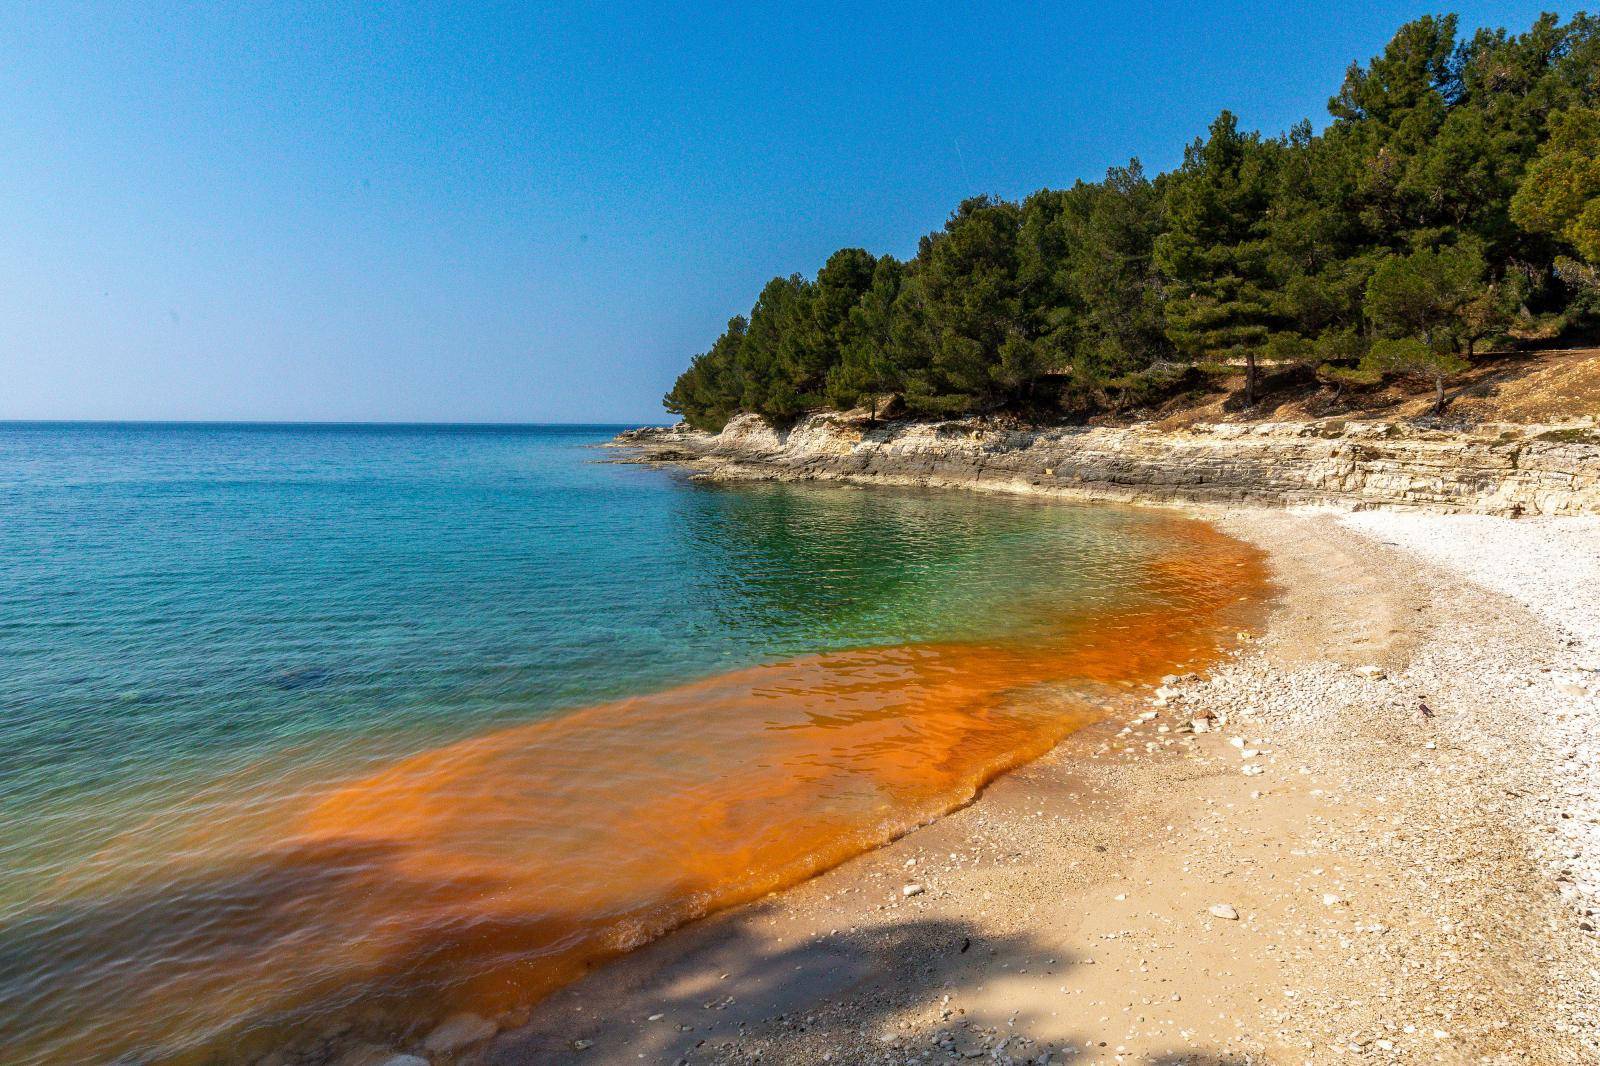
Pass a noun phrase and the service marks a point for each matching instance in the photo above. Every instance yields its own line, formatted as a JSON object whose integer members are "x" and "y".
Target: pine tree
{"x": 1216, "y": 251}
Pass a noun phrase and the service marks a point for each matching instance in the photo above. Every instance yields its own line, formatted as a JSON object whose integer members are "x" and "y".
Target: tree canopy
{"x": 1452, "y": 199}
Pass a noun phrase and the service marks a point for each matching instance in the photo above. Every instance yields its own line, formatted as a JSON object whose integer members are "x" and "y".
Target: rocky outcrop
{"x": 1491, "y": 469}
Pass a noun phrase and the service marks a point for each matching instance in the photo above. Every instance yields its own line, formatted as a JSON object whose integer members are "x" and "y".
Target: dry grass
{"x": 1518, "y": 387}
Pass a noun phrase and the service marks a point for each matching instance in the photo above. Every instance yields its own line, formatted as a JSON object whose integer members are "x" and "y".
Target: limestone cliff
{"x": 1493, "y": 469}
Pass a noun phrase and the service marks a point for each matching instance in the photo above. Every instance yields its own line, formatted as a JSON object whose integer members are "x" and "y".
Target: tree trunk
{"x": 1250, "y": 377}
{"x": 1438, "y": 396}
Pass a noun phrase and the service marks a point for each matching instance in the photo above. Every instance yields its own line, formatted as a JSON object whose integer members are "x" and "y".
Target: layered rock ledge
{"x": 1495, "y": 468}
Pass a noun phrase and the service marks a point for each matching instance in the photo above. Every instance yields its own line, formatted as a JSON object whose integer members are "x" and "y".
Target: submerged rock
{"x": 458, "y": 1031}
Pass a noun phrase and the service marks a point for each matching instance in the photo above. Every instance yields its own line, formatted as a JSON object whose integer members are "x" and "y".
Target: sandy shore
{"x": 1384, "y": 848}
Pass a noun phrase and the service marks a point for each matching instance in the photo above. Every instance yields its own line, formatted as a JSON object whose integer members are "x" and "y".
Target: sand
{"x": 1412, "y": 867}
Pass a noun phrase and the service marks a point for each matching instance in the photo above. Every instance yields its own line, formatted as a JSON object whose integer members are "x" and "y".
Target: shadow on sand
{"x": 726, "y": 992}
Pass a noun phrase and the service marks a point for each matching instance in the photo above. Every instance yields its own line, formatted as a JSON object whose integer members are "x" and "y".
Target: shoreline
{"x": 1408, "y": 885}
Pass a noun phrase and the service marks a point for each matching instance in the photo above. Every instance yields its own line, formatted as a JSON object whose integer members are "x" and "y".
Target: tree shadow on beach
{"x": 728, "y": 994}
{"x": 723, "y": 992}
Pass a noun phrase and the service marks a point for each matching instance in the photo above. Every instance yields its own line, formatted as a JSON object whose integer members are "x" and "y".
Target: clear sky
{"x": 539, "y": 212}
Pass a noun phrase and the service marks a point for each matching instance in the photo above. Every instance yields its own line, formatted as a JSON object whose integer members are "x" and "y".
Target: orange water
{"x": 480, "y": 875}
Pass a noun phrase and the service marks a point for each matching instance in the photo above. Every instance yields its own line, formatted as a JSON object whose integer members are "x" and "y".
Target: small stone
{"x": 1252, "y": 769}
{"x": 1330, "y": 900}
{"x": 912, "y": 890}
{"x": 458, "y": 1031}
{"x": 1223, "y": 911}
{"x": 582, "y": 1045}
{"x": 1371, "y": 673}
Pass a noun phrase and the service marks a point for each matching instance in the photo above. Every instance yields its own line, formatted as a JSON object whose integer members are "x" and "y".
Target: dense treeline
{"x": 1453, "y": 201}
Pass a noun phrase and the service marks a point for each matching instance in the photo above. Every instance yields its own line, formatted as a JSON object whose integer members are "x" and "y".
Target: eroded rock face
{"x": 1490, "y": 469}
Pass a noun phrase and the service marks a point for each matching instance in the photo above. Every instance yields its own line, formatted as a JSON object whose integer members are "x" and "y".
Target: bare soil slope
{"x": 1517, "y": 387}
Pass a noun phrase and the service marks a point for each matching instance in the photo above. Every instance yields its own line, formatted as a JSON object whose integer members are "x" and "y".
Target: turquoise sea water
{"x": 193, "y": 613}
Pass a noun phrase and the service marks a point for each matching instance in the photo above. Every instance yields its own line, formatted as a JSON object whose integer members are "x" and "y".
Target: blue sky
{"x": 462, "y": 212}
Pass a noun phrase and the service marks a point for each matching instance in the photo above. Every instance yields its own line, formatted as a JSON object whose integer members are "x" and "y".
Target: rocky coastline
{"x": 1509, "y": 469}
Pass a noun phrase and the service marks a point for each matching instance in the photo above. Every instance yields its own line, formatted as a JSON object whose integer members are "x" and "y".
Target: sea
{"x": 346, "y": 728}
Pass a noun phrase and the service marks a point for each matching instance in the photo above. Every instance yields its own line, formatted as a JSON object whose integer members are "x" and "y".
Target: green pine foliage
{"x": 1559, "y": 195}
{"x": 1453, "y": 200}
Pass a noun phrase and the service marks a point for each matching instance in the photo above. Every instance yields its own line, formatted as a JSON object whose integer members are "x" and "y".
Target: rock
{"x": 1200, "y": 725}
{"x": 1569, "y": 689}
{"x": 1331, "y": 900}
{"x": 1372, "y": 673}
{"x": 456, "y": 1032}
{"x": 1253, "y": 769}
{"x": 1223, "y": 911}
{"x": 912, "y": 890}
{"x": 582, "y": 1045}
{"x": 1494, "y": 469}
